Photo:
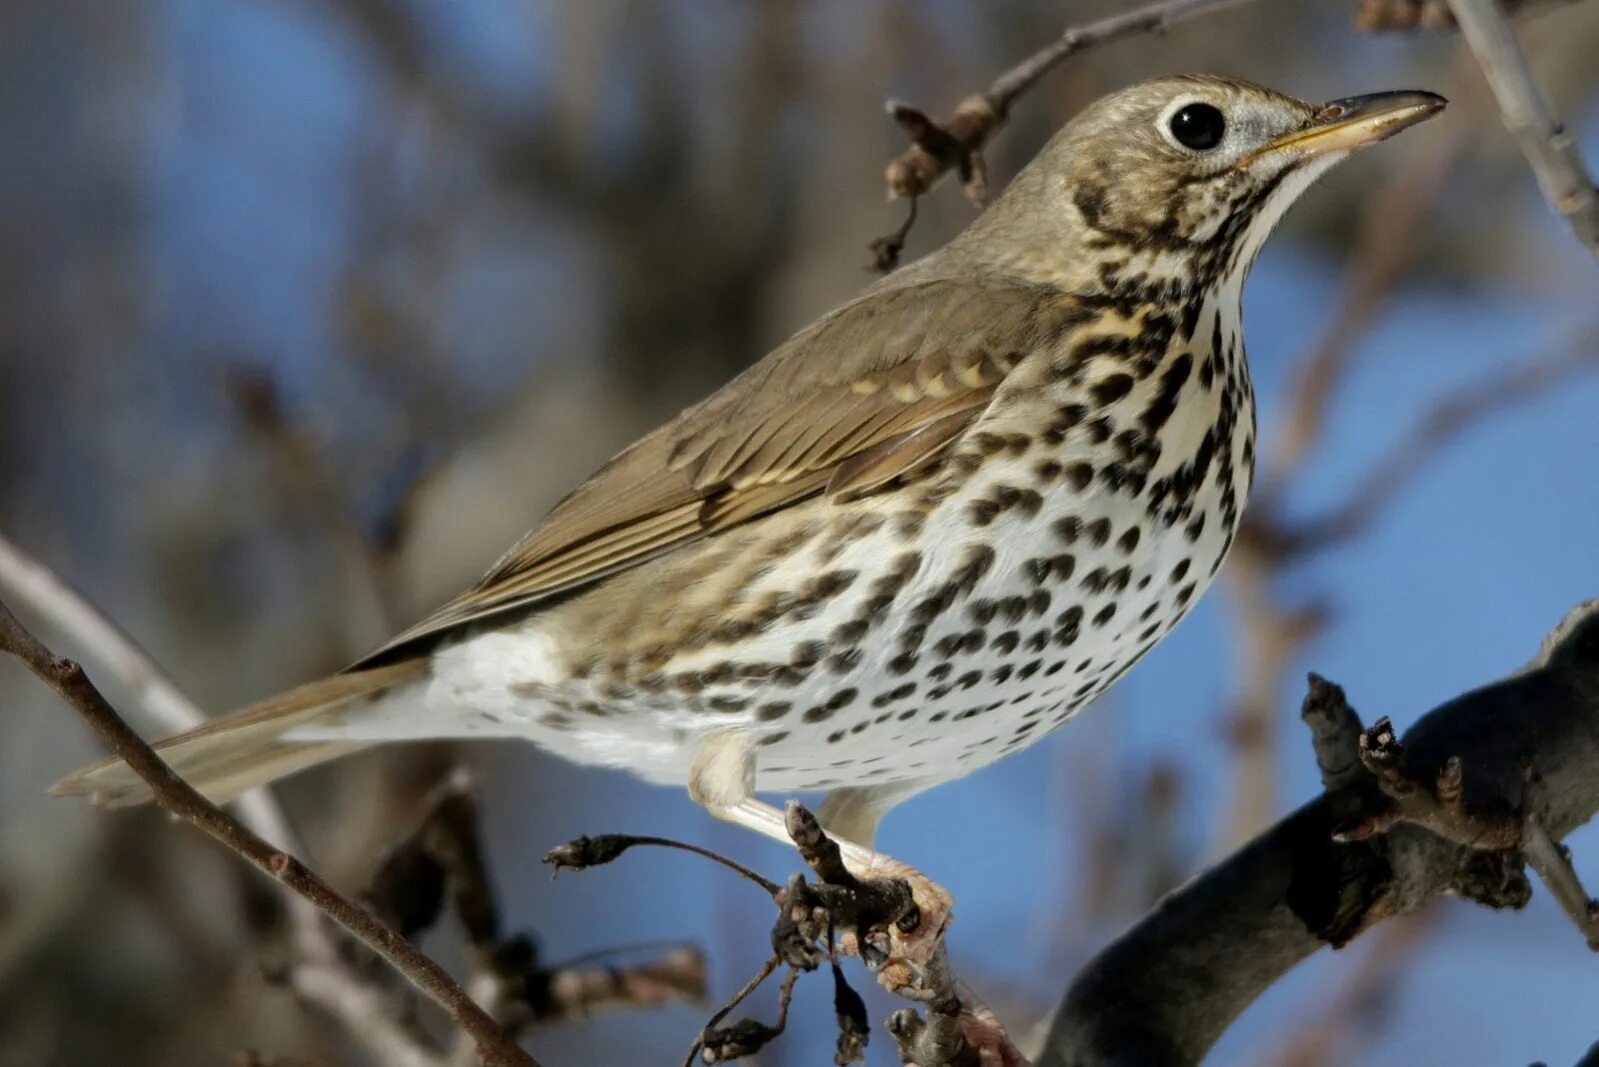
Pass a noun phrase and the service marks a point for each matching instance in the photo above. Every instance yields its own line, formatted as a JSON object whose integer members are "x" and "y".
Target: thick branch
{"x": 176, "y": 796}
{"x": 1551, "y": 150}
{"x": 1529, "y": 745}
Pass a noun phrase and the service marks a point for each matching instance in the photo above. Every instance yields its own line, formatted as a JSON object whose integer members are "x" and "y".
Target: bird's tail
{"x": 229, "y": 755}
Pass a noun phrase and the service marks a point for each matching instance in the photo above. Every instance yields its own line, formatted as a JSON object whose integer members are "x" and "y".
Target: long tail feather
{"x": 229, "y": 755}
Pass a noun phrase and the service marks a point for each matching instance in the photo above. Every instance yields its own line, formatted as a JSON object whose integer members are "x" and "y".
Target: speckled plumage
{"x": 919, "y": 634}
{"x": 919, "y": 535}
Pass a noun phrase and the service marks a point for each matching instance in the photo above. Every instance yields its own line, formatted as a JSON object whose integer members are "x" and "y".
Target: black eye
{"x": 1198, "y": 126}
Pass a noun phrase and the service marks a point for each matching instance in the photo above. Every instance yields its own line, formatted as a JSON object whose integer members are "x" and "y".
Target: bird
{"x": 915, "y": 538}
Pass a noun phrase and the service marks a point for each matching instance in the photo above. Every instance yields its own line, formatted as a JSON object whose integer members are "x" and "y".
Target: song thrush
{"x": 921, "y": 534}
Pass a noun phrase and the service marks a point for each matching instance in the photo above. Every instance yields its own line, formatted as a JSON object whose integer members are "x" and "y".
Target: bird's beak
{"x": 1355, "y": 122}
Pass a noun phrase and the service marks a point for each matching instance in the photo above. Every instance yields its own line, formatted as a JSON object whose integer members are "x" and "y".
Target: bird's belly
{"x": 883, "y": 645}
{"x": 1009, "y": 629}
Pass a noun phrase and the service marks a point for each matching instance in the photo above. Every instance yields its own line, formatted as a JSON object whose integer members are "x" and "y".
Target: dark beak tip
{"x": 1352, "y": 105}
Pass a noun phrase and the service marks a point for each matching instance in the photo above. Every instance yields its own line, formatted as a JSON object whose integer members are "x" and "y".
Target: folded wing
{"x": 847, "y": 406}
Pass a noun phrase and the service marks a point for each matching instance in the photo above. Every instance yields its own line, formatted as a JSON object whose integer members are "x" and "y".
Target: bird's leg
{"x": 854, "y": 812}
{"x": 722, "y": 779}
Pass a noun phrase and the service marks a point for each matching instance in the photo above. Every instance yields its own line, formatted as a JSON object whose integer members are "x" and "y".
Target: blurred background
{"x": 308, "y": 308}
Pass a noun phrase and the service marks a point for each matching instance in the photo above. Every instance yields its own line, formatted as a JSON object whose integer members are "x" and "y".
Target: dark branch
{"x": 1520, "y": 752}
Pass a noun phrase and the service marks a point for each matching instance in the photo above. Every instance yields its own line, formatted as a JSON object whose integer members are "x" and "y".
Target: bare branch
{"x": 180, "y": 799}
{"x": 1550, "y": 149}
{"x": 1520, "y": 752}
{"x": 576, "y": 992}
{"x": 936, "y": 148}
{"x": 957, "y": 143}
{"x": 41, "y": 593}
{"x": 320, "y": 975}
{"x": 1387, "y": 16}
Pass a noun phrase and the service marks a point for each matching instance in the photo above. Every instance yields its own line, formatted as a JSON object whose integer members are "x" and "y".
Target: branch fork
{"x": 1500, "y": 823}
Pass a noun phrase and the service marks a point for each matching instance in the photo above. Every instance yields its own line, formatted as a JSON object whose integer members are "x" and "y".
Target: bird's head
{"x": 1192, "y": 171}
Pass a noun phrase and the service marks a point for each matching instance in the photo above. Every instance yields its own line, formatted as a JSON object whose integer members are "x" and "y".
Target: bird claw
{"x": 886, "y": 912}
{"x": 900, "y": 950}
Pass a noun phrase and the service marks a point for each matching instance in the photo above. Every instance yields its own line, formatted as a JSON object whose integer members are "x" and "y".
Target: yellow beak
{"x": 1357, "y": 121}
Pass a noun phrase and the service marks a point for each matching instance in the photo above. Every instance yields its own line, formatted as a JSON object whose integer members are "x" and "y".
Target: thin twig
{"x": 938, "y": 147}
{"x": 887, "y": 248}
{"x": 584, "y": 852}
{"x": 734, "y": 1001}
{"x": 41, "y": 593}
{"x": 957, "y": 143}
{"x": 321, "y": 976}
{"x": 179, "y": 798}
{"x": 1550, "y": 149}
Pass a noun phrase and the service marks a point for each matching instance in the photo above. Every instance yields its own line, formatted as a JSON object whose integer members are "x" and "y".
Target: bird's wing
{"x": 865, "y": 394}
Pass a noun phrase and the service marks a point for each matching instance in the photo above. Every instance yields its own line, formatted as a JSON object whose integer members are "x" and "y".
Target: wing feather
{"x": 864, "y": 396}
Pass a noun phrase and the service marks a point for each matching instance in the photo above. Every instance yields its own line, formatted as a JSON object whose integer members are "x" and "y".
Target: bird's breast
{"x": 932, "y": 627}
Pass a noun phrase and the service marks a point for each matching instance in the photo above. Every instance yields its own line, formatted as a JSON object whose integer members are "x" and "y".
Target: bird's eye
{"x": 1198, "y": 126}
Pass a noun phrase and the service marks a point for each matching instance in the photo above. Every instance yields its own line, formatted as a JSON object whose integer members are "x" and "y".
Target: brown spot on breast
{"x": 1111, "y": 388}
{"x": 1164, "y": 402}
{"x": 807, "y": 654}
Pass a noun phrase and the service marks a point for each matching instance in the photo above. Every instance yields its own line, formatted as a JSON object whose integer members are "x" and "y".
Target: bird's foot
{"x": 886, "y": 912}
{"x": 911, "y": 939}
